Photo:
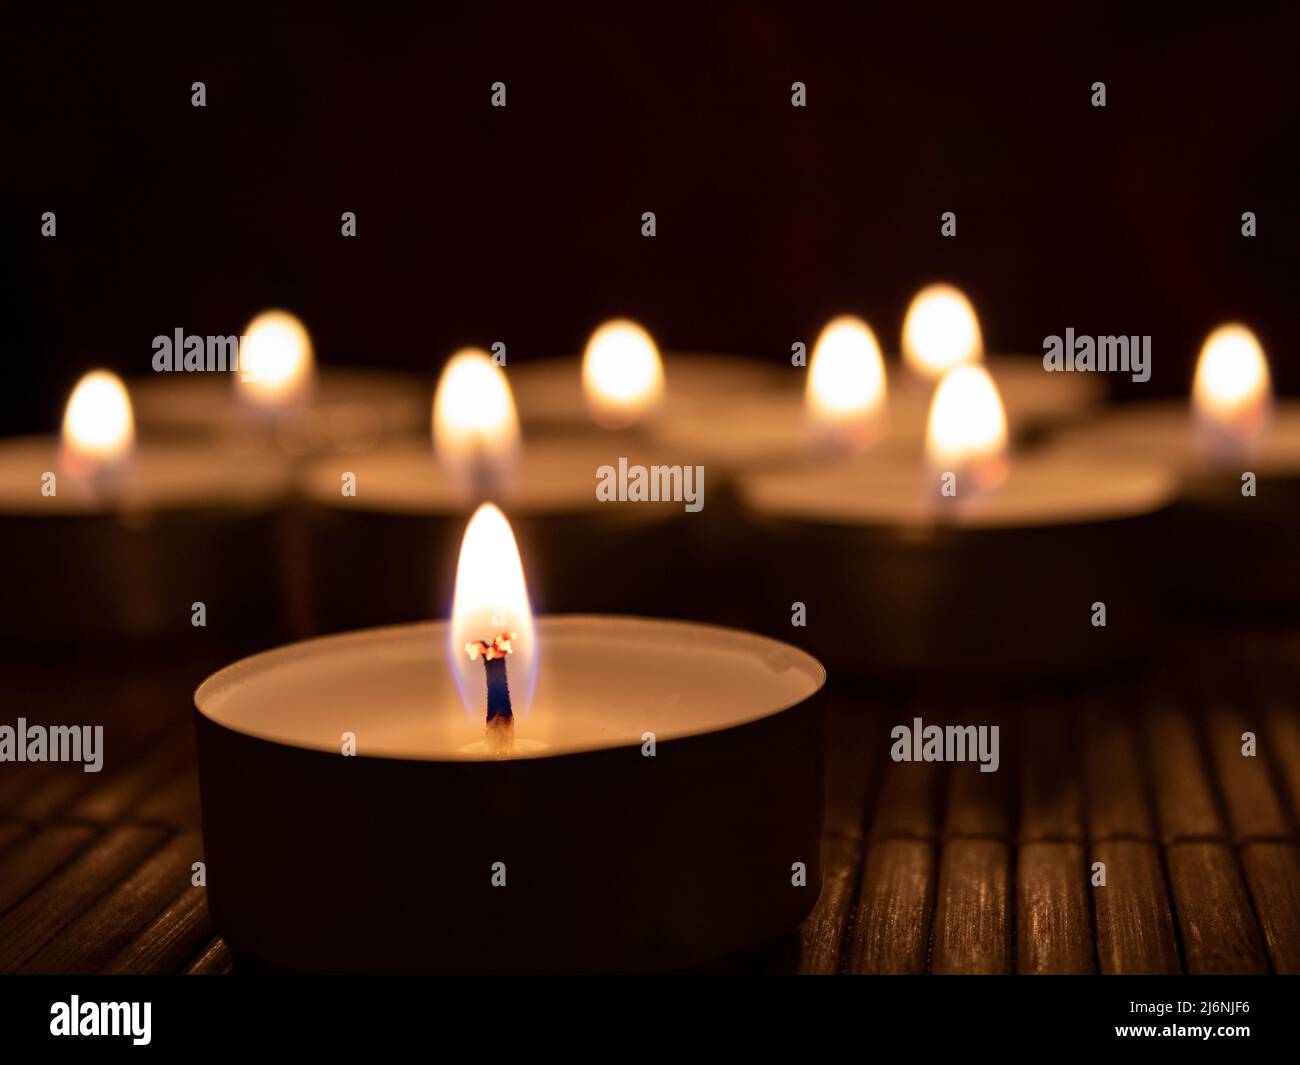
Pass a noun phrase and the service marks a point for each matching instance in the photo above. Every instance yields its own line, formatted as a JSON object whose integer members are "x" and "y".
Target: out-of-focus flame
{"x": 276, "y": 364}
{"x": 940, "y": 332}
{"x": 622, "y": 374}
{"x": 491, "y": 598}
{"x": 98, "y": 426}
{"x": 845, "y": 397}
{"x": 475, "y": 427}
{"x": 967, "y": 430}
{"x": 1232, "y": 393}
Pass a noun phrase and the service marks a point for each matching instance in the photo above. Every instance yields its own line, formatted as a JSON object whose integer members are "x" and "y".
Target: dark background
{"x": 523, "y": 225}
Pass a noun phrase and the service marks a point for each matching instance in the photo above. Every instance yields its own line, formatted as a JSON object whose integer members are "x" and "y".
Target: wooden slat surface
{"x": 926, "y": 867}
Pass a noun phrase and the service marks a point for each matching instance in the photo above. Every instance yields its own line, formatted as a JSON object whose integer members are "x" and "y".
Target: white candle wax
{"x": 1046, "y": 488}
{"x": 554, "y": 474}
{"x": 550, "y": 391}
{"x": 154, "y": 478}
{"x": 349, "y": 410}
{"x": 772, "y": 427}
{"x": 602, "y": 682}
{"x": 1166, "y": 432}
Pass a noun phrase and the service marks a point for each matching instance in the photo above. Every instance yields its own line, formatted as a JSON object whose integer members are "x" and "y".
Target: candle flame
{"x": 98, "y": 426}
{"x": 491, "y": 603}
{"x": 845, "y": 397}
{"x": 940, "y": 332}
{"x": 475, "y": 427}
{"x": 276, "y": 364}
{"x": 622, "y": 374}
{"x": 967, "y": 430}
{"x": 1232, "y": 393}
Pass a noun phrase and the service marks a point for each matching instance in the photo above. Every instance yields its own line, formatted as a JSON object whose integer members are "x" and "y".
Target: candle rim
{"x": 432, "y": 634}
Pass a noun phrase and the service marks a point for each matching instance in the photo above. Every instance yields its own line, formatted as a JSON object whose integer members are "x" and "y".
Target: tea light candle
{"x": 115, "y": 540}
{"x": 784, "y": 424}
{"x": 1236, "y": 452}
{"x": 659, "y": 805}
{"x": 383, "y": 523}
{"x": 622, "y": 379}
{"x": 278, "y": 397}
{"x": 999, "y": 577}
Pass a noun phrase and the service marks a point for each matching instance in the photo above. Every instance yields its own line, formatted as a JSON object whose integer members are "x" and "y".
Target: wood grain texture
{"x": 1254, "y": 809}
{"x": 1215, "y": 917}
{"x": 1053, "y": 919}
{"x": 1185, "y": 805}
{"x": 215, "y": 960}
{"x": 979, "y": 804}
{"x": 136, "y": 778}
{"x": 37, "y": 857}
{"x": 1283, "y": 752}
{"x": 1273, "y": 876}
{"x": 1115, "y": 780}
{"x": 91, "y": 940}
{"x": 170, "y": 941}
{"x": 32, "y": 923}
{"x": 972, "y": 931}
{"x": 1134, "y": 927}
{"x": 821, "y": 937}
{"x": 1051, "y": 792}
{"x": 890, "y": 930}
{"x": 908, "y": 803}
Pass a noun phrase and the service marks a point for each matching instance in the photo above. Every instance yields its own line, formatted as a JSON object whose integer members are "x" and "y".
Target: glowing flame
{"x": 940, "y": 332}
{"x": 967, "y": 431}
{"x": 845, "y": 397}
{"x": 98, "y": 426}
{"x": 491, "y": 599}
{"x": 622, "y": 374}
{"x": 1232, "y": 394}
{"x": 475, "y": 427}
{"x": 276, "y": 365}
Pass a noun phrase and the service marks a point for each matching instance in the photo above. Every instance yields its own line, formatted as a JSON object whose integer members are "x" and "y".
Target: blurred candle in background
{"x": 964, "y": 559}
{"x": 1235, "y": 449}
{"x": 131, "y": 534}
{"x": 277, "y": 397}
{"x": 623, "y": 378}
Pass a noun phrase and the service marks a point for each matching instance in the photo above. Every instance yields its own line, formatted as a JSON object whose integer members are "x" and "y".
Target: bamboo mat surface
{"x": 927, "y": 867}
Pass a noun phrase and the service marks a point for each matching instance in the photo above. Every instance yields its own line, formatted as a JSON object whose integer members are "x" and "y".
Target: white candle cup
{"x": 387, "y": 552}
{"x": 896, "y": 579}
{"x": 770, "y": 428}
{"x": 348, "y": 411}
{"x": 662, "y": 807}
{"x": 124, "y": 560}
{"x": 549, "y": 392}
{"x": 1231, "y": 544}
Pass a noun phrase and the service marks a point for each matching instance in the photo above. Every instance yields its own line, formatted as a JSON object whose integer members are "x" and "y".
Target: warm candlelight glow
{"x": 967, "y": 430}
{"x": 622, "y": 374}
{"x": 475, "y": 427}
{"x": 276, "y": 365}
{"x": 940, "y": 332}
{"x": 845, "y": 397}
{"x": 491, "y": 599}
{"x": 1232, "y": 394}
{"x": 98, "y": 426}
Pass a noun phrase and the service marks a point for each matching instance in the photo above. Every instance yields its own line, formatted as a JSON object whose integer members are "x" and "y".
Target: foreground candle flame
{"x": 940, "y": 332}
{"x": 98, "y": 427}
{"x": 492, "y": 627}
{"x": 845, "y": 397}
{"x": 622, "y": 374}
{"x": 1232, "y": 393}
{"x": 276, "y": 365}
{"x": 967, "y": 430}
{"x": 475, "y": 427}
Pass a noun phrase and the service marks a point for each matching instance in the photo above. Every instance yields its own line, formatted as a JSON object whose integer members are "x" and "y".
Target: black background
{"x": 523, "y": 225}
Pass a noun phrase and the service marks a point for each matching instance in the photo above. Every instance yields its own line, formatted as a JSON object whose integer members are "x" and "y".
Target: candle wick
{"x": 499, "y": 733}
